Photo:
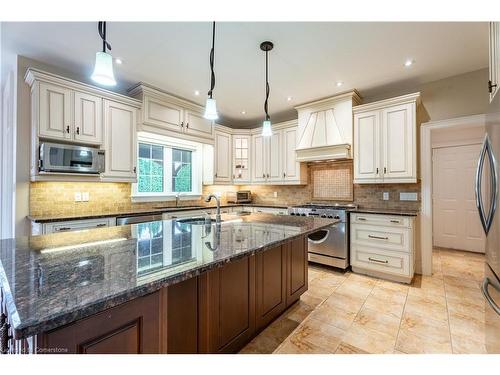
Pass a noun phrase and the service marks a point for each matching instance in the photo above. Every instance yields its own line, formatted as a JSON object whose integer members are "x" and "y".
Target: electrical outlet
{"x": 85, "y": 196}
{"x": 385, "y": 196}
{"x": 78, "y": 196}
{"x": 408, "y": 196}
{"x": 275, "y": 194}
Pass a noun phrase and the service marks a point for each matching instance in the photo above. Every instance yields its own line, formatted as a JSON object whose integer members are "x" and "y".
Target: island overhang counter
{"x": 157, "y": 287}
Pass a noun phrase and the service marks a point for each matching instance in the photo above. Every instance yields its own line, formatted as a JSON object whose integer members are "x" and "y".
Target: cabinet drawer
{"x": 69, "y": 226}
{"x": 398, "y": 239}
{"x": 385, "y": 220}
{"x": 381, "y": 260}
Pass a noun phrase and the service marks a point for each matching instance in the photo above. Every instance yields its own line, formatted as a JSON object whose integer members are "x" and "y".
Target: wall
{"x": 461, "y": 95}
{"x": 450, "y": 136}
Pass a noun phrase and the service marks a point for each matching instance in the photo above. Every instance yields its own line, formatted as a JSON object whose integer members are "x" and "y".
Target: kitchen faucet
{"x": 217, "y": 199}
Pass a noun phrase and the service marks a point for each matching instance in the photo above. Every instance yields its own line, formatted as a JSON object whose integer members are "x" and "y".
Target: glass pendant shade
{"x": 211, "y": 110}
{"x": 103, "y": 70}
{"x": 266, "y": 128}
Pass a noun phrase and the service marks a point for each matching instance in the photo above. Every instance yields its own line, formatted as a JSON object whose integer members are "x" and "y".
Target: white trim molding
{"x": 426, "y": 168}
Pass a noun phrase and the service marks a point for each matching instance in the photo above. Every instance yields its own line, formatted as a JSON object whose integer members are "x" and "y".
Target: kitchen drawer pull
{"x": 377, "y": 260}
{"x": 361, "y": 219}
{"x": 395, "y": 221}
{"x": 377, "y": 237}
{"x": 102, "y": 225}
{"x": 62, "y": 229}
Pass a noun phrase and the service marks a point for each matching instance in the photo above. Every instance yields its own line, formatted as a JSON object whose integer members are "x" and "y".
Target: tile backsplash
{"x": 57, "y": 198}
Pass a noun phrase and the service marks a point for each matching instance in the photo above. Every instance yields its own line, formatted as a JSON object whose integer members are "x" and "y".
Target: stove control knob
{"x": 336, "y": 217}
{"x": 323, "y": 215}
{"x": 303, "y": 214}
{"x": 292, "y": 213}
{"x": 330, "y": 216}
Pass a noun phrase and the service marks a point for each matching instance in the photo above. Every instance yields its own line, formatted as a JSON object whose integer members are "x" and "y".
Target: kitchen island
{"x": 158, "y": 287}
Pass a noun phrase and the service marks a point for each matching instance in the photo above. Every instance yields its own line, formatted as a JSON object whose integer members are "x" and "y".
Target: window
{"x": 167, "y": 166}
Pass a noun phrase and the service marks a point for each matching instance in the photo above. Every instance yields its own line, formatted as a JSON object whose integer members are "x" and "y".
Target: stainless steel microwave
{"x": 242, "y": 196}
{"x": 58, "y": 157}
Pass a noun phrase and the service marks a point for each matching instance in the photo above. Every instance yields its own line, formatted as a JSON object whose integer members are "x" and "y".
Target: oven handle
{"x": 486, "y": 294}
{"x": 320, "y": 241}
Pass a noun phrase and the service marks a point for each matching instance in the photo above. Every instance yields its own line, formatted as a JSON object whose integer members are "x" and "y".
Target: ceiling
{"x": 305, "y": 64}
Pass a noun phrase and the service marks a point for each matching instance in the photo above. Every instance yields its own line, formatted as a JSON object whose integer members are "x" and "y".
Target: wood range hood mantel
{"x": 326, "y": 127}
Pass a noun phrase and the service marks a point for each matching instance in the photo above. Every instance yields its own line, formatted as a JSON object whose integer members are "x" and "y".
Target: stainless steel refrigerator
{"x": 487, "y": 199}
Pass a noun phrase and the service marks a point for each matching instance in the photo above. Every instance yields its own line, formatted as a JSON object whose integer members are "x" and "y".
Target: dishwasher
{"x": 136, "y": 219}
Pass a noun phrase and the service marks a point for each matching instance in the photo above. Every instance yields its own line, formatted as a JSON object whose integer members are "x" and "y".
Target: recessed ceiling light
{"x": 243, "y": 112}
{"x": 196, "y": 92}
{"x": 409, "y": 62}
{"x": 339, "y": 83}
{"x": 289, "y": 99}
{"x": 118, "y": 61}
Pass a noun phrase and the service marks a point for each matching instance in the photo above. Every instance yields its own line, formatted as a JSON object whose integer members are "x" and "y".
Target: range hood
{"x": 326, "y": 128}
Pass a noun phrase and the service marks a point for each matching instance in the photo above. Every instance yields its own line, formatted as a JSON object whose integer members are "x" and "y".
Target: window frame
{"x": 169, "y": 143}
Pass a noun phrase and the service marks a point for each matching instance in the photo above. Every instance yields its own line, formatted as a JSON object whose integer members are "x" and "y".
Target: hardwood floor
{"x": 347, "y": 313}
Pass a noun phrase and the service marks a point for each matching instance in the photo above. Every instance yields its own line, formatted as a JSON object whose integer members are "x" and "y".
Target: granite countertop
{"x": 52, "y": 280}
{"x": 55, "y": 218}
{"x": 386, "y": 211}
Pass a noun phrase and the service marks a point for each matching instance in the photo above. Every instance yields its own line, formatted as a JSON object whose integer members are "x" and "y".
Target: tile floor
{"x": 348, "y": 313}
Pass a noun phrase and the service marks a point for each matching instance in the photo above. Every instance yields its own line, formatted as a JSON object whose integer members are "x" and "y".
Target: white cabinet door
{"x": 223, "y": 170}
{"x": 88, "y": 118}
{"x": 259, "y": 158}
{"x": 163, "y": 115}
{"x": 241, "y": 158}
{"x": 399, "y": 142}
{"x": 121, "y": 145}
{"x": 197, "y": 125}
{"x": 55, "y": 117}
{"x": 494, "y": 59}
{"x": 367, "y": 146}
{"x": 291, "y": 167}
{"x": 274, "y": 170}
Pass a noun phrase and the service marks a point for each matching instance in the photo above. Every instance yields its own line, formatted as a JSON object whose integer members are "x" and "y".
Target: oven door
{"x": 330, "y": 241}
{"x": 70, "y": 158}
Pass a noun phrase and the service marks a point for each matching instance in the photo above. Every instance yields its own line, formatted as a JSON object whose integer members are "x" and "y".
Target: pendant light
{"x": 266, "y": 125}
{"x": 210, "y": 107}
{"x": 103, "y": 70}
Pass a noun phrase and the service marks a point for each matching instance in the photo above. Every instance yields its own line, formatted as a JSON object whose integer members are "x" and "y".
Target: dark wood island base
{"x": 219, "y": 311}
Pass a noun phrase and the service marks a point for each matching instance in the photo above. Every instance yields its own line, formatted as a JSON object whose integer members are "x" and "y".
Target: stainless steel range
{"x": 328, "y": 246}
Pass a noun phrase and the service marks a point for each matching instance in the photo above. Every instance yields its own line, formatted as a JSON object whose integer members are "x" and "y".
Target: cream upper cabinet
{"x": 121, "y": 144}
{"x": 274, "y": 170}
{"x": 165, "y": 114}
{"x": 259, "y": 158}
{"x": 88, "y": 124}
{"x": 385, "y": 149}
{"x": 399, "y": 142}
{"x": 53, "y": 108}
{"x": 197, "y": 125}
{"x": 494, "y": 59}
{"x": 366, "y": 145}
{"x": 293, "y": 170}
{"x": 223, "y": 161}
{"x": 241, "y": 158}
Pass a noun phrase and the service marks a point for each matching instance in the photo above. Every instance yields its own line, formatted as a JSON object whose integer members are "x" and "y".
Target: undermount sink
{"x": 195, "y": 221}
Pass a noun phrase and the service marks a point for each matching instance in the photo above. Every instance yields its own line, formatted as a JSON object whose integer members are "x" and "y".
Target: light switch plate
{"x": 408, "y": 196}
{"x": 275, "y": 194}
{"x": 85, "y": 196}
{"x": 78, "y": 196}
{"x": 385, "y": 195}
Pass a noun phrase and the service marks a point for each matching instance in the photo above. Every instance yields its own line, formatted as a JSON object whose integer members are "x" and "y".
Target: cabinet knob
{"x": 284, "y": 174}
{"x": 490, "y": 86}
{"x": 377, "y": 170}
{"x": 67, "y": 129}
{"x": 187, "y": 125}
{"x": 268, "y": 175}
{"x": 77, "y": 130}
{"x": 182, "y": 124}
{"x": 385, "y": 170}
{"x": 135, "y": 169}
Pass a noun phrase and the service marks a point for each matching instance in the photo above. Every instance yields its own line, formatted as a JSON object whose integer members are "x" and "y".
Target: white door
{"x": 274, "y": 169}
{"x": 259, "y": 157}
{"x": 456, "y": 221}
{"x": 88, "y": 118}
{"x": 121, "y": 146}
{"x": 291, "y": 168}
{"x": 367, "y": 146}
{"x": 223, "y": 170}
{"x": 197, "y": 125}
{"x": 55, "y": 119}
{"x": 163, "y": 115}
{"x": 398, "y": 142}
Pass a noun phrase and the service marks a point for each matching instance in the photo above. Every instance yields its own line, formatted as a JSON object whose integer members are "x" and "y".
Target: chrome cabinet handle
{"x": 377, "y": 260}
{"x": 102, "y": 225}
{"x": 377, "y": 171}
{"x": 67, "y": 129}
{"x": 182, "y": 124}
{"x": 321, "y": 240}
{"x": 62, "y": 229}
{"x": 486, "y": 221}
{"x": 361, "y": 219}
{"x": 187, "y": 125}
{"x": 395, "y": 221}
{"x": 77, "y": 130}
{"x": 486, "y": 294}
{"x": 385, "y": 170}
{"x": 377, "y": 237}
